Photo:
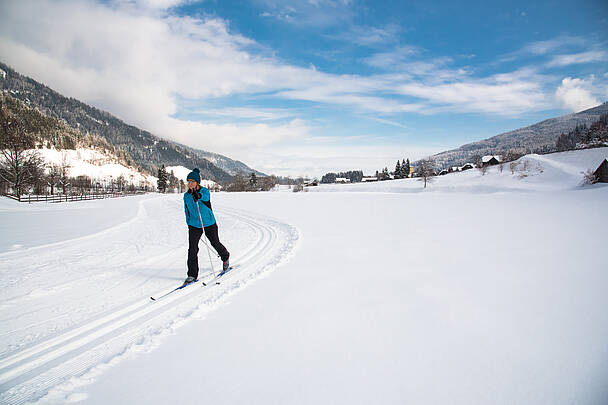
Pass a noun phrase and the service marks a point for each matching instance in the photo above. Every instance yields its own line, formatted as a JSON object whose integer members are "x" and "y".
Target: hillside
{"x": 147, "y": 151}
{"x": 539, "y": 137}
{"x": 90, "y": 155}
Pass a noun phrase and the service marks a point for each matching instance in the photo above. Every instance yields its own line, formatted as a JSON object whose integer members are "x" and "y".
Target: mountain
{"x": 147, "y": 151}
{"x": 539, "y": 137}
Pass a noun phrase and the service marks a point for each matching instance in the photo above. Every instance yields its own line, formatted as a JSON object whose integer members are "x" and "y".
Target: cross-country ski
{"x": 184, "y": 285}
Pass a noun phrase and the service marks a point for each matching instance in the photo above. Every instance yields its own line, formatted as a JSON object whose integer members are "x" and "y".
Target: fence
{"x": 68, "y": 197}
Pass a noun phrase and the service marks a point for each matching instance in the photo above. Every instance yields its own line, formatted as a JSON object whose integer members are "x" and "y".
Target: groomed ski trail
{"x": 36, "y": 364}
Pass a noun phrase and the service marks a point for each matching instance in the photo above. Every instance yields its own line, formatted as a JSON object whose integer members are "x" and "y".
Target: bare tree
{"x": 64, "y": 171}
{"x": 239, "y": 183}
{"x": 21, "y": 165}
{"x": 477, "y": 160}
{"x": 53, "y": 177}
{"x": 589, "y": 178}
{"x": 426, "y": 170}
{"x": 267, "y": 183}
{"x": 512, "y": 154}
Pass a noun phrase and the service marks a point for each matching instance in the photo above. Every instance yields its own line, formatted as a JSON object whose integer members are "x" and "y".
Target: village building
{"x": 601, "y": 173}
{"x": 490, "y": 160}
{"x": 467, "y": 166}
{"x": 369, "y": 178}
{"x": 342, "y": 180}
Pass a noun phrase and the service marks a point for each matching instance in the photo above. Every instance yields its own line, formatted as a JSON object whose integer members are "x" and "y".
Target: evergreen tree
{"x": 253, "y": 180}
{"x": 385, "y": 175}
{"x": 406, "y": 168}
{"x": 398, "y": 172}
{"x": 162, "y": 179}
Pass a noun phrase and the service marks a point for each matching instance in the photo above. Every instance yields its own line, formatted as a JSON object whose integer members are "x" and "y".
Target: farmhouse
{"x": 467, "y": 166}
{"x": 342, "y": 180}
{"x": 601, "y": 173}
{"x": 490, "y": 160}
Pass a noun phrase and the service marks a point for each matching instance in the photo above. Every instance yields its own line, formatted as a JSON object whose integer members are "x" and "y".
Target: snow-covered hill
{"x": 552, "y": 172}
{"x": 487, "y": 289}
{"x": 96, "y": 165}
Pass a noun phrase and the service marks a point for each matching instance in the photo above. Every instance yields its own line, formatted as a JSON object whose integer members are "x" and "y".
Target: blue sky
{"x": 307, "y": 87}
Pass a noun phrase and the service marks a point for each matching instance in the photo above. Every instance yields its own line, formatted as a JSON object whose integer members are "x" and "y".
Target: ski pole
{"x": 204, "y": 241}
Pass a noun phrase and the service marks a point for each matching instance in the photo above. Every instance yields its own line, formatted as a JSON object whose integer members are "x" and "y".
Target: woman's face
{"x": 192, "y": 184}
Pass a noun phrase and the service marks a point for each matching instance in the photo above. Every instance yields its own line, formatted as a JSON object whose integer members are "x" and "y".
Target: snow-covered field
{"x": 481, "y": 289}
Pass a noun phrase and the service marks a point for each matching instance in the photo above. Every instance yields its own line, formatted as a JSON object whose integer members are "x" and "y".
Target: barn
{"x": 601, "y": 173}
{"x": 490, "y": 160}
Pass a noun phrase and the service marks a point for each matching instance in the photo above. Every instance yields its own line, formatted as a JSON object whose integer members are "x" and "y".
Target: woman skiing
{"x": 199, "y": 216}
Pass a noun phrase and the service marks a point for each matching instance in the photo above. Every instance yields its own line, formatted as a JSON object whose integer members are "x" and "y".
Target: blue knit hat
{"x": 195, "y": 175}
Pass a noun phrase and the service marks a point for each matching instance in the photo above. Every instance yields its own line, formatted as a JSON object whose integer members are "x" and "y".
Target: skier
{"x": 199, "y": 216}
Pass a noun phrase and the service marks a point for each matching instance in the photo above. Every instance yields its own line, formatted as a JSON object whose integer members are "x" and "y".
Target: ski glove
{"x": 196, "y": 195}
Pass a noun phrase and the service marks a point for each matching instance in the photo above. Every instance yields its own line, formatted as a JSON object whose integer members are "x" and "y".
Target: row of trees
{"x": 251, "y": 182}
{"x": 168, "y": 182}
{"x": 354, "y": 176}
{"x": 402, "y": 171}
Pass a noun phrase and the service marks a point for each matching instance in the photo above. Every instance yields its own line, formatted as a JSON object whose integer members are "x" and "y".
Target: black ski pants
{"x": 194, "y": 236}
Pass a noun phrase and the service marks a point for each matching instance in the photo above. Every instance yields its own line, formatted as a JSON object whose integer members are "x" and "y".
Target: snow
{"x": 94, "y": 164}
{"x": 480, "y": 289}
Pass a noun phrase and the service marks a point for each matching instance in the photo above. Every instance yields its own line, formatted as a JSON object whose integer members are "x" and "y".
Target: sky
{"x": 306, "y": 87}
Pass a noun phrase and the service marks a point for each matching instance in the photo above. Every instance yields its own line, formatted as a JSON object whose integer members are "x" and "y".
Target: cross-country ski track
{"x": 89, "y": 298}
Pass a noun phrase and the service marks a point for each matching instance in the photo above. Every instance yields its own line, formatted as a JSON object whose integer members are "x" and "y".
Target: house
{"x": 342, "y": 180}
{"x": 467, "y": 166}
{"x": 490, "y": 160}
{"x": 453, "y": 169}
{"x": 365, "y": 179}
{"x": 601, "y": 173}
{"x": 443, "y": 172}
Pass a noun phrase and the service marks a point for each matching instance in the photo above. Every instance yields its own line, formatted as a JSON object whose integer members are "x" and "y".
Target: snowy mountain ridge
{"x": 541, "y": 136}
{"x": 148, "y": 151}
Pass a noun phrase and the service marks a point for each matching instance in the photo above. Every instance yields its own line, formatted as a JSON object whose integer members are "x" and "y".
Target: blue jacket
{"x": 204, "y": 205}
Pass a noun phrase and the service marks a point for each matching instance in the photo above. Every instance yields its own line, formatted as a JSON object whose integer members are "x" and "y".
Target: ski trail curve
{"x": 70, "y": 357}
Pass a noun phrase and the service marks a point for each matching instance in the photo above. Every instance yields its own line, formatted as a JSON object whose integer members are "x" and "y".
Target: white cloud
{"x": 137, "y": 60}
{"x": 263, "y": 114}
{"x": 317, "y": 13}
{"x": 393, "y": 59}
{"x": 547, "y": 46}
{"x": 576, "y": 94}
{"x": 579, "y": 58}
{"x": 148, "y": 4}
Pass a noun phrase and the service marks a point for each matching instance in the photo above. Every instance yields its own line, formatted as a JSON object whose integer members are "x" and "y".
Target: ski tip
{"x": 153, "y": 299}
